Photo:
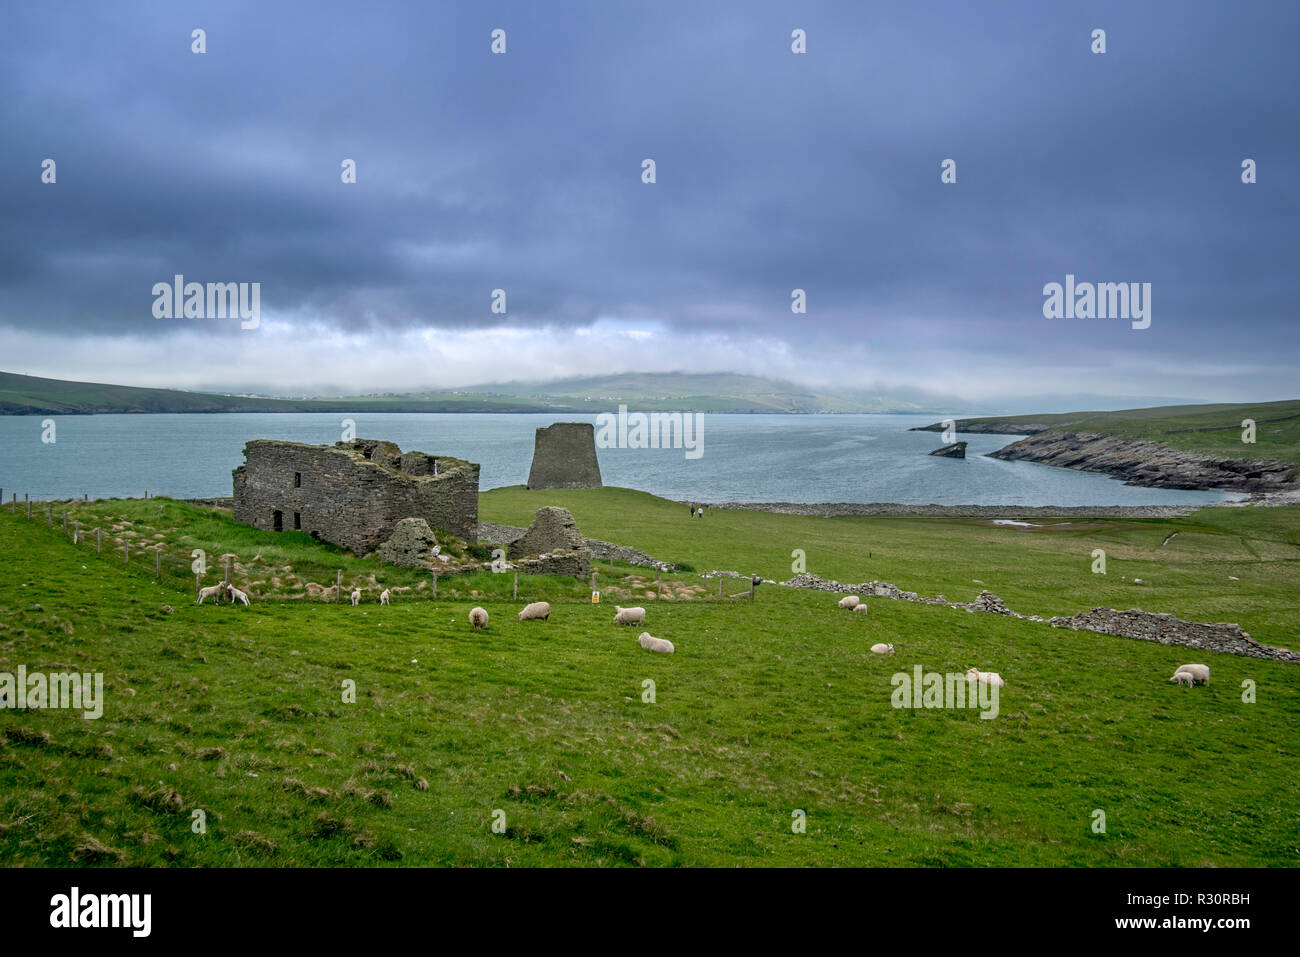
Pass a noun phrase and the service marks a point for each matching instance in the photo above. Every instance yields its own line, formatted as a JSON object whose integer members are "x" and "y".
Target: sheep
{"x": 383, "y": 597}
{"x": 356, "y": 597}
{"x": 882, "y": 649}
{"x": 537, "y": 609}
{"x": 213, "y": 592}
{"x": 629, "y": 616}
{"x": 650, "y": 643}
{"x": 849, "y": 601}
{"x": 236, "y": 595}
{"x": 861, "y": 607}
{"x": 1200, "y": 673}
{"x": 985, "y": 677}
{"x": 478, "y": 617}
{"x": 1183, "y": 678}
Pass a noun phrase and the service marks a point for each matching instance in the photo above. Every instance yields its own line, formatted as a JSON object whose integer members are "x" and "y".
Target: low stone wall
{"x": 1142, "y": 625}
{"x": 492, "y": 533}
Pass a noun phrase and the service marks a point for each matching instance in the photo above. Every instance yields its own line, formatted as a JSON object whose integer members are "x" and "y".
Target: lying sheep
{"x": 478, "y": 617}
{"x": 1184, "y": 678}
{"x": 383, "y": 597}
{"x": 1200, "y": 673}
{"x": 849, "y": 601}
{"x": 356, "y": 597}
{"x": 236, "y": 595}
{"x": 862, "y": 608}
{"x": 629, "y": 616}
{"x": 650, "y": 643}
{"x": 213, "y": 592}
{"x": 537, "y": 609}
{"x": 882, "y": 649}
{"x": 985, "y": 677}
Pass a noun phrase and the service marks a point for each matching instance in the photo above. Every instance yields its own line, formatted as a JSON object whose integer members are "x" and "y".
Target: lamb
{"x": 383, "y": 597}
{"x": 650, "y": 643}
{"x": 1200, "y": 673}
{"x": 236, "y": 595}
{"x": 478, "y": 617}
{"x": 356, "y": 597}
{"x": 985, "y": 677}
{"x": 1183, "y": 678}
{"x": 629, "y": 616}
{"x": 213, "y": 592}
{"x": 882, "y": 649}
{"x": 849, "y": 601}
{"x": 537, "y": 609}
{"x": 861, "y": 607}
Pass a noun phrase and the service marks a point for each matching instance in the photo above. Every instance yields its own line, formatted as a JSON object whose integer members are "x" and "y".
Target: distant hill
{"x": 693, "y": 392}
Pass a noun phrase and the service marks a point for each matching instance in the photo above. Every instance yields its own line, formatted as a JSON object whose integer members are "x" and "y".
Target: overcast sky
{"x": 775, "y": 171}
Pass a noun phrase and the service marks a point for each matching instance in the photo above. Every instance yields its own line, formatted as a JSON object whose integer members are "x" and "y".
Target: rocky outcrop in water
{"x": 957, "y": 450}
{"x": 1151, "y": 464}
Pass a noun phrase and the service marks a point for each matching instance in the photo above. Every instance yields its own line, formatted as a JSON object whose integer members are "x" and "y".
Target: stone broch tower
{"x": 353, "y": 494}
{"x": 564, "y": 456}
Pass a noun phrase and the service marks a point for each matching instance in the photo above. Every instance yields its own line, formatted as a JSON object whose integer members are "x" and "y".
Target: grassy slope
{"x": 1035, "y": 571}
{"x": 764, "y": 709}
{"x": 1215, "y": 429}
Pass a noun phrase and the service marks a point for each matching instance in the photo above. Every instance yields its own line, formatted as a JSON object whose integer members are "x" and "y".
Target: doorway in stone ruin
{"x": 277, "y": 521}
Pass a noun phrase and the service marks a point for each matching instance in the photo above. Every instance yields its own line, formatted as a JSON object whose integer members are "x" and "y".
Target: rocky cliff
{"x": 1142, "y": 462}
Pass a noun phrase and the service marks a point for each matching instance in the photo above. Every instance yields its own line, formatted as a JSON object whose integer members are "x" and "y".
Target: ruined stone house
{"x": 354, "y": 493}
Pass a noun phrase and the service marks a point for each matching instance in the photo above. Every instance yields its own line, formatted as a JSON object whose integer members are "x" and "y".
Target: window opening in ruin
{"x": 277, "y": 521}
{"x": 297, "y": 480}
{"x": 297, "y": 520}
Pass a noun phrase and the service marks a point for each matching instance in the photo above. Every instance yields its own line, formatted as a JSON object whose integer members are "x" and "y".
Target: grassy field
{"x": 765, "y": 709}
{"x": 1215, "y": 429}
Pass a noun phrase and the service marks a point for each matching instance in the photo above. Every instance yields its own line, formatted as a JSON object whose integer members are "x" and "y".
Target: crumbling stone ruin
{"x": 564, "y": 456}
{"x": 353, "y": 494}
{"x": 551, "y": 545}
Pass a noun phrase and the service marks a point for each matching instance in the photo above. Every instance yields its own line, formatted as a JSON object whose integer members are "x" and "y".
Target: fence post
{"x": 515, "y": 593}
{"x": 435, "y": 584}
{"x": 157, "y": 562}
{"x": 49, "y": 514}
{"x": 99, "y": 540}
{"x": 76, "y": 532}
{"x": 751, "y": 589}
{"x": 338, "y": 582}
{"x": 658, "y": 585}
{"x": 13, "y": 503}
{"x": 719, "y": 586}
{"x": 198, "y": 582}
{"x": 126, "y": 553}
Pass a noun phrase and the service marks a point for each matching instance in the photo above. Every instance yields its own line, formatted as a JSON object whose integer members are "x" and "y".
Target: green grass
{"x": 764, "y": 709}
{"x": 1214, "y": 429}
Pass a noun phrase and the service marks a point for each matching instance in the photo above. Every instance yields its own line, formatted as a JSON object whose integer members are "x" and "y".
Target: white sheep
{"x": 383, "y": 597}
{"x": 882, "y": 649}
{"x": 478, "y": 617}
{"x": 1200, "y": 673}
{"x": 650, "y": 643}
{"x": 212, "y": 591}
{"x": 1183, "y": 678}
{"x": 236, "y": 595}
{"x": 849, "y": 601}
{"x": 985, "y": 677}
{"x": 537, "y": 609}
{"x": 356, "y": 597}
{"x": 629, "y": 616}
{"x": 862, "y": 608}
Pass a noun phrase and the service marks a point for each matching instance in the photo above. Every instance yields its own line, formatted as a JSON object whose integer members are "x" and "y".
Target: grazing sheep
{"x": 882, "y": 649}
{"x": 849, "y": 601}
{"x": 1183, "y": 678}
{"x": 236, "y": 595}
{"x": 537, "y": 609}
{"x": 383, "y": 597}
{"x": 650, "y": 643}
{"x": 213, "y": 592}
{"x": 985, "y": 677}
{"x": 356, "y": 596}
{"x": 1200, "y": 673}
{"x": 478, "y": 617}
{"x": 629, "y": 616}
{"x": 862, "y": 607}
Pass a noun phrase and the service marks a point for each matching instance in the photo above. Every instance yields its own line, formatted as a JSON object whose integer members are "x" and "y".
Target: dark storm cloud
{"x": 775, "y": 171}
